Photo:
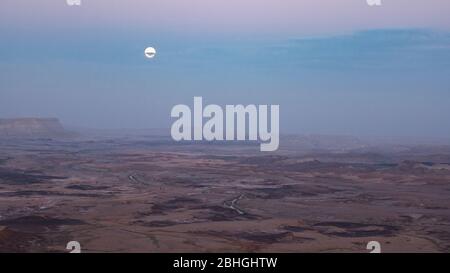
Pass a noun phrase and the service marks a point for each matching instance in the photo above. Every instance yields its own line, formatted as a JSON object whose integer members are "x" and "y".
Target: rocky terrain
{"x": 32, "y": 128}
{"x": 125, "y": 194}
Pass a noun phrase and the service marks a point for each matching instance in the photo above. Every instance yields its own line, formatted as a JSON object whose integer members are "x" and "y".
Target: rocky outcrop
{"x": 32, "y": 128}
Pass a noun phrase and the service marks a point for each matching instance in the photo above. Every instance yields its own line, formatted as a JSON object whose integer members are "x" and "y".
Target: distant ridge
{"x": 33, "y": 128}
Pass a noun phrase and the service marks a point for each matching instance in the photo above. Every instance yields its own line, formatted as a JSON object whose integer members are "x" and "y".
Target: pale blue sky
{"x": 387, "y": 80}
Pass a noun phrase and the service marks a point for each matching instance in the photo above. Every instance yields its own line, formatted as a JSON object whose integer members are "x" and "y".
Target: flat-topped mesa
{"x": 32, "y": 128}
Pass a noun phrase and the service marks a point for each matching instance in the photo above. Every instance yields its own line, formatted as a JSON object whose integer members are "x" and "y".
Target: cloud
{"x": 384, "y": 48}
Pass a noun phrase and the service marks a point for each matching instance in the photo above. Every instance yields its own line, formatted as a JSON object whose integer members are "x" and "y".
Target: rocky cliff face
{"x": 32, "y": 128}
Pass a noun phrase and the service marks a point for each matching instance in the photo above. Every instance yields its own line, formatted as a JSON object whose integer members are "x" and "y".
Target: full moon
{"x": 150, "y": 52}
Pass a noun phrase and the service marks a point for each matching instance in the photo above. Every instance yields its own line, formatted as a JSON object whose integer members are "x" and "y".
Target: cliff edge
{"x": 32, "y": 128}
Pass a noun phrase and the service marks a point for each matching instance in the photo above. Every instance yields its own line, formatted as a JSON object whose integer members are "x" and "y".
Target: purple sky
{"x": 291, "y": 17}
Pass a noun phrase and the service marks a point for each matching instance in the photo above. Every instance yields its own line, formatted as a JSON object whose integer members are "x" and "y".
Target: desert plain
{"x": 150, "y": 194}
